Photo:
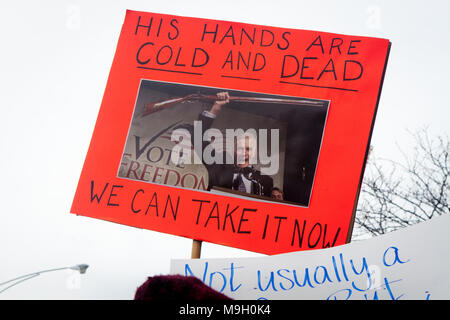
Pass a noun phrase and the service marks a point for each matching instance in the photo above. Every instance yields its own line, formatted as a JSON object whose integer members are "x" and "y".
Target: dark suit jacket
{"x": 221, "y": 175}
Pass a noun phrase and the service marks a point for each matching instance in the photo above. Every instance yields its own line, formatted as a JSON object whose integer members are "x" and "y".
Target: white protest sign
{"x": 413, "y": 263}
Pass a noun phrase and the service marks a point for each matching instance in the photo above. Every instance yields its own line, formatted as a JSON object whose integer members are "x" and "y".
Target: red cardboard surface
{"x": 345, "y": 71}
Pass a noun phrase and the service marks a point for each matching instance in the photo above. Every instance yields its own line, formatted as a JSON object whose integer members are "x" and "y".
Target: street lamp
{"x": 81, "y": 268}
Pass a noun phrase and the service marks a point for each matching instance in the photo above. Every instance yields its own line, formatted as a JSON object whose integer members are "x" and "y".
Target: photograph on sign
{"x": 244, "y": 143}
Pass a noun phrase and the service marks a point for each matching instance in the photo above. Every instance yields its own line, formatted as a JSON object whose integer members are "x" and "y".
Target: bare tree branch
{"x": 395, "y": 195}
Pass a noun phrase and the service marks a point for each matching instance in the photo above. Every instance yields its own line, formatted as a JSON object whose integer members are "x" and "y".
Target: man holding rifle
{"x": 240, "y": 176}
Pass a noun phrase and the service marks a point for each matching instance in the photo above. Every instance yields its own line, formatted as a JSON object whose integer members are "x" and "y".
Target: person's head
{"x": 245, "y": 149}
{"x": 176, "y": 288}
{"x": 277, "y": 194}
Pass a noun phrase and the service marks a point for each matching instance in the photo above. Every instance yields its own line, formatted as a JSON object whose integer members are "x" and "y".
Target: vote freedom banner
{"x": 167, "y": 152}
{"x": 409, "y": 264}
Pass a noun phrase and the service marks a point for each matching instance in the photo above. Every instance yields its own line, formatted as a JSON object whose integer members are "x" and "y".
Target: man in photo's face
{"x": 245, "y": 149}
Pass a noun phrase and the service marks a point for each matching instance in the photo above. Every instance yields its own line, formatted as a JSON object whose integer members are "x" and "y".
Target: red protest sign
{"x": 248, "y": 136}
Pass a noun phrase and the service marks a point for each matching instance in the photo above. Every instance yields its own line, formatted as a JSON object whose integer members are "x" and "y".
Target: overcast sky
{"x": 55, "y": 61}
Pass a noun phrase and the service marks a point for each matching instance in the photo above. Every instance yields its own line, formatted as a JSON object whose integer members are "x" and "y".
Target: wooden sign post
{"x": 196, "y": 249}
